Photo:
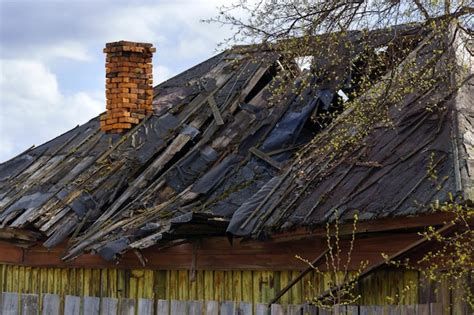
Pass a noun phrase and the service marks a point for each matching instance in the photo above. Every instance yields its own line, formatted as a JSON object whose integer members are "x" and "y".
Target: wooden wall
{"x": 248, "y": 286}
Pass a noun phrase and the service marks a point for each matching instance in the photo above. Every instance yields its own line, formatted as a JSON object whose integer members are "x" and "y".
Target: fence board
{"x": 261, "y": 309}
{"x": 407, "y": 310}
{"x": 212, "y": 308}
{"x": 195, "y": 308}
{"x": 50, "y": 304}
{"x": 295, "y": 309}
{"x": 277, "y": 309}
{"x": 29, "y": 304}
{"x": 245, "y": 308}
{"x": 91, "y": 305}
{"x": 436, "y": 309}
{"x": 162, "y": 307}
{"x": 9, "y": 303}
{"x": 310, "y": 310}
{"x": 179, "y": 307}
{"x": 422, "y": 309}
{"x": 145, "y": 307}
{"x": 365, "y": 310}
{"x": 108, "y": 306}
{"x": 127, "y": 307}
{"x": 228, "y": 308}
{"x": 72, "y": 305}
{"x": 352, "y": 310}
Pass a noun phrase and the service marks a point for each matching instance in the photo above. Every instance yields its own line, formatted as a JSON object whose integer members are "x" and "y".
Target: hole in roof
{"x": 304, "y": 62}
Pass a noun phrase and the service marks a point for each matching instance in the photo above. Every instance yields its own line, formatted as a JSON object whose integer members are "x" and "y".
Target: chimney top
{"x": 129, "y": 85}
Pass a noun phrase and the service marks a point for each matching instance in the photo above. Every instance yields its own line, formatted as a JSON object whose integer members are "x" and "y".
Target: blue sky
{"x": 52, "y": 65}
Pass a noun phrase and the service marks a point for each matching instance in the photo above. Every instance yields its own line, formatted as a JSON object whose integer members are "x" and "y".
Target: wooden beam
{"x": 215, "y": 110}
{"x": 265, "y": 157}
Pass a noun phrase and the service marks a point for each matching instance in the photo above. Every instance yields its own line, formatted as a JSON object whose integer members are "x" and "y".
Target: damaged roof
{"x": 222, "y": 155}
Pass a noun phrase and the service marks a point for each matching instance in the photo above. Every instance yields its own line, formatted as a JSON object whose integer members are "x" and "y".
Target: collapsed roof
{"x": 222, "y": 155}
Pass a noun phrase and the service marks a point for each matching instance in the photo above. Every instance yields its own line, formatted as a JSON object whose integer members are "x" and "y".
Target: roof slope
{"x": 220, "y": 155}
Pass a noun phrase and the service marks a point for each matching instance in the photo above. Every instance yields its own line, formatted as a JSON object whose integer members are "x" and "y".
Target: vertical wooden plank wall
{"x": 384, "y": 287}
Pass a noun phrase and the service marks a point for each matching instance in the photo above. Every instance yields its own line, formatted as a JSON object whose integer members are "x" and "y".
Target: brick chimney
{"x": 129, "y": 85}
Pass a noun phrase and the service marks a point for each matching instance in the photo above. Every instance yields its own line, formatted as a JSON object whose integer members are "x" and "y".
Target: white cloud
{"x": 37, "y": 103}
{"x": 67, "y": 49}
{"x": 34, "y": 110}
{"x": 161, "y": 73}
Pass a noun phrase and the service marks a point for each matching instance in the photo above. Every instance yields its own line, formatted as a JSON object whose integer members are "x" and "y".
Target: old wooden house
{"x": 206, "y": 186}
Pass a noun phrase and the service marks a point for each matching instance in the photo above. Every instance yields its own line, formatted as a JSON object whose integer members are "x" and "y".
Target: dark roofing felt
{"x": 183, "y": 173}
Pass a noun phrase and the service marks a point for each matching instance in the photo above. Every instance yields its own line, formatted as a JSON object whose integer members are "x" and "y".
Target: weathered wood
{"x": 9, "y": 303}
{"x": 277, "y": 309}
{"x": 365, "y": 310}
{"x": 215, "y": 110}
{"x": 407, "y": 310}
{"x": 352, "y": 310}
{"x": 50, "y": 304}
{"x": 322, "y": 311}
{"x": 195, "y": 307}
{"x": 29, "y": 304}
{"x": 108, "y": 306}
{"x": 403, "y": 252}
{"x": 245, "y": 308}
{"x": 295, "y": 309}
{"x": 422, "y": 309}
{"x": 72, "y": 305}
{"x": 91, "y": 305}
{"x": 265, "y": 157}
{"x": 145, "y": 307}
{"x": 310, "y": 310}
{"x": 127, "y": 307}
{"x": 162, "y": 307}
{"x": 228, "y": 308}
{"x": 262, "y": 309}
{"x": 179, "y": 307}
{"x": 212, "y": 308}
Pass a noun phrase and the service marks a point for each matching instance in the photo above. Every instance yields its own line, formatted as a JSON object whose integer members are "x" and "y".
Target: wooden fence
{"x": 52, "y": 304}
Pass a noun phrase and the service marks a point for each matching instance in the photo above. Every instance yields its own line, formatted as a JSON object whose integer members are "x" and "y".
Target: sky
{"x": 52, "y": 73}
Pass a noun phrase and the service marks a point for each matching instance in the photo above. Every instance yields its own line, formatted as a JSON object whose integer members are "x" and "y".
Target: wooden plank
{"x": 407, "y": 309}
{"x": 295, "y": 309}
{"x": 263, "y": 156}
{"x": 324, "y": 312}
{"x": 352, "y": 310}
{"x": 277, "y": 309}
{"x": 9, "y": 303}
{"x": 91, "y": 305}
{"x": 247, "y": 287}
{"x": 195, "y": 307}
{"x": 145, "y": 307}
{"x": 245, "y": 308}
{"x": 215, "y": 110}
{"x": 127, "y": 307}
{"x": 108, "y": 306}
{"x": 422, "y": 309}
{"x": 72, "y": 305}
{"x": 228, "y": 308}
{"x": 262, "y": 309}
{"x": 212, "y": 308}
{"x": 364, "y": 310}
{"x": 179, "y": 307}
{"x": 29, "y": 304}
{"x": 162, "y": 307}
{"x": 310, "y": 310}
{"x": 208, "y": 285}
{"x": 50, "y": 304}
